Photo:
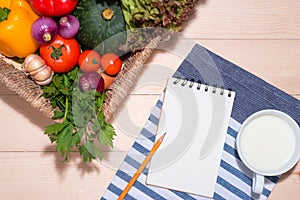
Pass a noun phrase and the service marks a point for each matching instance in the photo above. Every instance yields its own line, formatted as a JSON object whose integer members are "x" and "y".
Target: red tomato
{"x": 53, "y": 8}
{"x": 61, "y": 54}
{"x": 89, "y": 60}
{"x": 111, "y": 64}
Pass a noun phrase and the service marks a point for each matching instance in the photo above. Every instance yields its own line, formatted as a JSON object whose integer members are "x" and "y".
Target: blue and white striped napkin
{"x": 234, "y": 178}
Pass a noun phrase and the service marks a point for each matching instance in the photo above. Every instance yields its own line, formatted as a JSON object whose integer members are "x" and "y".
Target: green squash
{"x": 102, "y": 31}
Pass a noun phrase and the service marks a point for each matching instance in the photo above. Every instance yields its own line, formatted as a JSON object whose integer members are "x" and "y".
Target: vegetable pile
{"x": 73, "y": 49}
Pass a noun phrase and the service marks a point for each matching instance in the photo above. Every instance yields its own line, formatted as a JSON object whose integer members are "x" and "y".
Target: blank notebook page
{"x": 195, "y": 118}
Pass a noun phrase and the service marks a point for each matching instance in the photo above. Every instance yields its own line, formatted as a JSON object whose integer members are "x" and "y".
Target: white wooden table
{"x": 263, "y": 37}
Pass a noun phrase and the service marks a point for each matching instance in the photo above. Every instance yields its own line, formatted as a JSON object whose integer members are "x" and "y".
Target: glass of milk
{"x": 268, "y": 143}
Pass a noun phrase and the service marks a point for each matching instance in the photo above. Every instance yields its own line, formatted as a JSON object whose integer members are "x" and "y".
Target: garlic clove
{"x": 34, "y": 64}
{"x": 45, "y": 82}
{"x": 44, "y": 74}
{"x": 34, "y": 72}
{"x": 28, "y": 59}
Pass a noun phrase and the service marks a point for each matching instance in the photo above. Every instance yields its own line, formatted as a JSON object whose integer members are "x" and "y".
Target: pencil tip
{"x": 162, "y": 137}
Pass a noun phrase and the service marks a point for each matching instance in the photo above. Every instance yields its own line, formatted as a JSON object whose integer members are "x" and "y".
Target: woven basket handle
{"x": 121, "y": 86}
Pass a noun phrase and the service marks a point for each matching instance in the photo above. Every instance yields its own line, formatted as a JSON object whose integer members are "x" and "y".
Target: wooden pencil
{"x": 142, "y": 167}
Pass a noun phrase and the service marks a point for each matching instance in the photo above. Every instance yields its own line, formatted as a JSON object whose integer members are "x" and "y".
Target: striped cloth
{"x": 234, "y": 179}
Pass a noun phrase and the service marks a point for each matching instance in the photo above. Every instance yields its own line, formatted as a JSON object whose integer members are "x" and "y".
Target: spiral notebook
{"x": 195, "y": 118}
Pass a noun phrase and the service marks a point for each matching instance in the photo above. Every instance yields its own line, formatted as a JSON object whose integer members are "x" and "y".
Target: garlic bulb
{"x": 36, "y": 68}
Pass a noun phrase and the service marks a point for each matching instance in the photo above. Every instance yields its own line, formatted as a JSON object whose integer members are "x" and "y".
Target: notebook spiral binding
{"x": 190, "y": 84}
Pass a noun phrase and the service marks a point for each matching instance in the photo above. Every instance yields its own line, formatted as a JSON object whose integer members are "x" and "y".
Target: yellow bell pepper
{"x": 15, "y": 30}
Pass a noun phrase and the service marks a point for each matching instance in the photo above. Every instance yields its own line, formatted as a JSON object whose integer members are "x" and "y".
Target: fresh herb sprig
{"x": 83, "y": 126}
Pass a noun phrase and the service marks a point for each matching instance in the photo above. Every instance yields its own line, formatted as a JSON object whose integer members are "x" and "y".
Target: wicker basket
{"x": 12, "y": 76}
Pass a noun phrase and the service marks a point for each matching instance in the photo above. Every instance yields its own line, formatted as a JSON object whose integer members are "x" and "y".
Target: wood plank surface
{"x": 272, "y": 60}
{"x": 245, "y": 19}
{"x": 43, "y": 175}
{"x": 262, "y": 37}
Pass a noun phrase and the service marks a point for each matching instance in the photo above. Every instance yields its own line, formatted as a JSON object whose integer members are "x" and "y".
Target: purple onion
{"x": 68, "y": 26}
{"x": 44, "y": 30}
{"x": 90, "y": 81}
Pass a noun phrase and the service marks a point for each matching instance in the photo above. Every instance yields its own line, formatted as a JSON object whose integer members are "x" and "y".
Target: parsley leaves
{"x": 83, "y": 126}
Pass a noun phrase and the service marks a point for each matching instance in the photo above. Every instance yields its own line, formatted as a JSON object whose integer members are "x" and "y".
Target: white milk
{"x": 267, "y": 143}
